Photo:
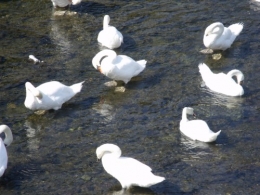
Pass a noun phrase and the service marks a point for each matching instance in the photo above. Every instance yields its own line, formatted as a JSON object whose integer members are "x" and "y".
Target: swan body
{"x": 218, "y": 37}
{"x": 196, "y": 129}
{"x": 222, "y": 83}
{"x": 50, "y": 95}
{"x": 64, "y": 3}
{"x": 109, "y": 37}
{"x": 3, "y": 153}
{"x": 128, "y": 171}
{"x": 117, "y": 67}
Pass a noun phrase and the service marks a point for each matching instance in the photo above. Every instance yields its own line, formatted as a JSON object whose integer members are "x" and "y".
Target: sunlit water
{"x": 55, "y": 153}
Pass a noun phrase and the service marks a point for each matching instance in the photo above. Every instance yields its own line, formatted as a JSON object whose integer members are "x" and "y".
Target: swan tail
{"x": 218, "y": 133}
{"x": 204, "y": 71}
{"x": 142, "y": 63}
{"x": 214, "y": 137}
{"x": 159, "y": 179}
{"x": 236, "y": 28}
{"x": 77, "y": 87}
{"x": 149, "y": 180}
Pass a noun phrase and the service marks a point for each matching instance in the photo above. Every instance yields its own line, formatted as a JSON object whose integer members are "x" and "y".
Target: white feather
{"x": 196, "y": 129}
{"x": 222, "y": 83}
{"x": 218, "y": 37}
{"x": 128, "y": 171}
{"x": 109, "y": 37}
{"x": 117, "y": 67}
{"x": 50, "y": 95}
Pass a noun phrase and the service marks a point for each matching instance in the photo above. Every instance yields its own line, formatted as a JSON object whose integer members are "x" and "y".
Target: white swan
{"x": 222, "y": 83}
{"x": 117, "y": 67}
{"x": 128, "y": 171}
{"x": 50, "y": 95}
{"x": 109, "y": 37}
{"x": 64, "y": 3}
{"x": 196, "y": 129}
{"x": 3, "y": 153}
{"x": 218, "y": 37}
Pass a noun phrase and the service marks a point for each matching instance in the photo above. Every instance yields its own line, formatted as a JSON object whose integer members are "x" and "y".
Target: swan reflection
{"x": 105, "y": 109}
{"x": 31, "y": 133}
{"x": 255, "y": 5}
{"x": 194, "y": 149}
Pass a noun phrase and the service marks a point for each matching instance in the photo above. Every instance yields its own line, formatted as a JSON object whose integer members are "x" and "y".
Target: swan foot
{"x": 111, "y": 84}
{"x": 207, "y": 51}
{"x": 40, "y": 112}
{"x": 120, "y": 89}
{"x": 216, "y": 56}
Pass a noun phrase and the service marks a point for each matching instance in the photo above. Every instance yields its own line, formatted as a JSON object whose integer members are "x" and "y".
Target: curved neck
{"x": 108, "y": 150}
{"x": 237, "y": 73}
{"x": 108, "y": 53}
{"x": 215, "y": 30}
{"x": 8, "y": 134}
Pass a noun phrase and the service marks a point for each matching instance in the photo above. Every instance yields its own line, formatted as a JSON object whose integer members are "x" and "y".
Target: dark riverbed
{"x": 55, "y": 153}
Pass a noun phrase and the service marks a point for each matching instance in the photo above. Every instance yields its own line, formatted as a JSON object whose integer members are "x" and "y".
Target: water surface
{"x": 55, "y": 153}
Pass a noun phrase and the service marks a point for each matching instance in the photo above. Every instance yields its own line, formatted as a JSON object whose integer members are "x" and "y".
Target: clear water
{"x": 55, "y": 153}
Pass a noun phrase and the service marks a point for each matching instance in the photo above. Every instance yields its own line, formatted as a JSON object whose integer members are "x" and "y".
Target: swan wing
{"x": 121, "y": 68}
{"x": 110, "y": 37}
{"x": 224, "y": 84}
{"x": 54, "y": 95}
{"x": 198, "y": 130}
{"x": 125, "y": 167}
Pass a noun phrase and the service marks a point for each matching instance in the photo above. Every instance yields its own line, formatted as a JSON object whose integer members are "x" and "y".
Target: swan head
{"x": 34, "y": 91}
{"x": 239, "y": 75}
{"x": 110, "y": 149}
{"x": 8, "y": 134}
{"x": 188, "y": 110}
{"x": 97, "y": 60}
{"x": 214, "y": 29}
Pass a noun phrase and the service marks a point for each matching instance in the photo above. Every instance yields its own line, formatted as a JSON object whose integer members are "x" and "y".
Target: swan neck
{"x": 33, "y": 90}
{"x": 106, "y": 21}
{"x": 184, "y": 115}
{"x": 106, "y": 53}
{"x": 108, "y": 151}
{"x": 221, "y": 29}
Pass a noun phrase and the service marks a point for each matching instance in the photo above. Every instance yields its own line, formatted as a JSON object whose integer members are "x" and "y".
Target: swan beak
{"x": 99, "y": 69}
{"x": 241, "y": 82}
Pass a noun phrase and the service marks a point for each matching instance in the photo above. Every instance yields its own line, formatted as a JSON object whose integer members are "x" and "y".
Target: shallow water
{"x": 55, "y": 153}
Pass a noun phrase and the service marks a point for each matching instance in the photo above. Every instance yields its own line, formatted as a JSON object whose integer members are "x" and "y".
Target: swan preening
{"x": 109, "y": 37}
{"x": 50, "y": 95}
{"x": 196, "y": 129}
{"x": 64, "y": 3}
{"x": 222, "y": 83}
{"x": 128, "y": 171}
{"x": 117, "y": 67}
{"x": 218, "y": 37}
{"x": 6, "y": 142}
